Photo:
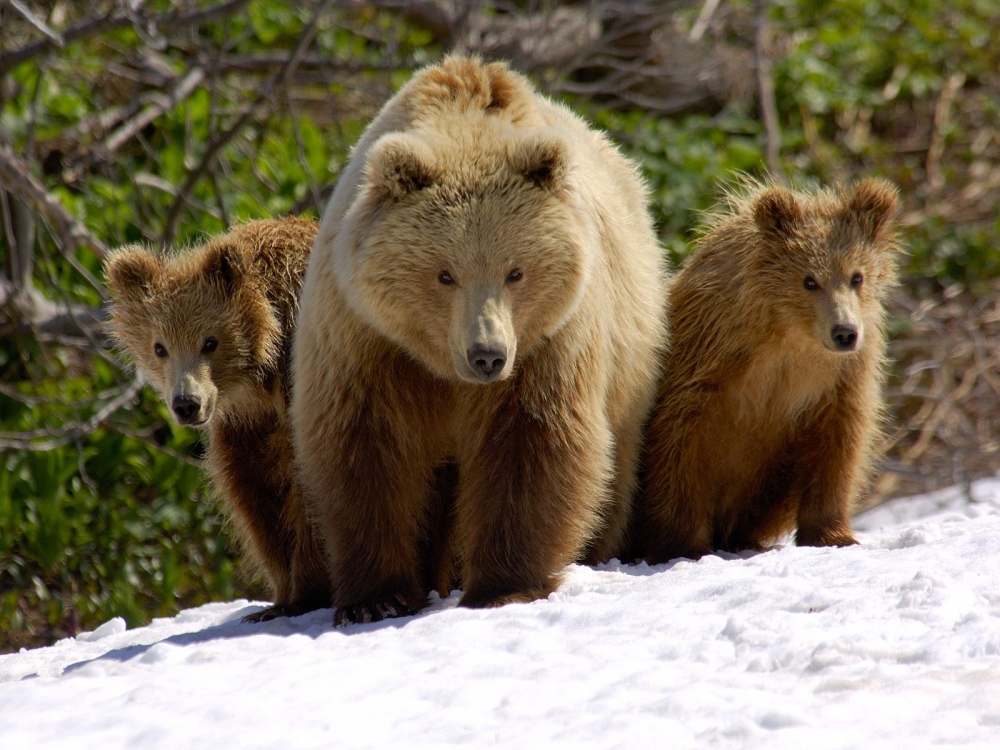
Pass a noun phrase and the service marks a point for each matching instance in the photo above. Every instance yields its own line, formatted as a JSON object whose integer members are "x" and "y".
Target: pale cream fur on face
{"x": 496, "y": 279}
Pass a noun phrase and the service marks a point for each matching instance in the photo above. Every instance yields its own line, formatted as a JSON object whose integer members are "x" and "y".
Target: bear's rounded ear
{"x": 132, "y": 272}
{"x": 872, "y": 204}
{"x": 542, "y": 159}
{"x": 776, "y": 212}
{"x": 398, "y": 165}
{"x": 223, "y": 265}
{"x": 503, "y": 86}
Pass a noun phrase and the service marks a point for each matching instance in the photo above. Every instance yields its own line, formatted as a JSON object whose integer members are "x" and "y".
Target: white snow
{"x": 891, "y": 644}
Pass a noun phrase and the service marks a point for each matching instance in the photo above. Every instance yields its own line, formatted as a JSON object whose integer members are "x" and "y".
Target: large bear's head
{"x": 468, "y": 249}
{"x": 198, "y": 323}
{"x": 824, "y": 263}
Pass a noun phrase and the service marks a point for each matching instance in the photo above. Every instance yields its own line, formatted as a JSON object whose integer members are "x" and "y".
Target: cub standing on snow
{"x": 769, "y": 408}
{"x": 486, "y": 289}
{"x": 212, "y": 327}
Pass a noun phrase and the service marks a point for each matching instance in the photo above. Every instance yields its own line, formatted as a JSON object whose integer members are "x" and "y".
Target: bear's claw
{"x": 278, "y": 610}
{"x": 825, "y": 538}
{"x": 393, "y": 606}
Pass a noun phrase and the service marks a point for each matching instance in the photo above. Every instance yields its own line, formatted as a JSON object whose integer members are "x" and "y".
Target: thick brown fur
{"x": 240, "y": 290}
{"x": 765, "y": 421}
{"x": 476, "y": 216}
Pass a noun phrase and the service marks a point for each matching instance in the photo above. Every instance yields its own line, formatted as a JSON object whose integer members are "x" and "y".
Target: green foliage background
{"x": 120, "y": 521}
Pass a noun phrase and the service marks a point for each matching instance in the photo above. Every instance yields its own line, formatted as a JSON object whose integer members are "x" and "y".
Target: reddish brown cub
{"x": 768, "y": 413}
{"x": 212, "y": 327}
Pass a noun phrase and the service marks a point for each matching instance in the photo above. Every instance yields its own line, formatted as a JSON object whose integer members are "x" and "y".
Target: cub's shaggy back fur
{"x": 768, "y": 412}
{"x": 212, "y": 327}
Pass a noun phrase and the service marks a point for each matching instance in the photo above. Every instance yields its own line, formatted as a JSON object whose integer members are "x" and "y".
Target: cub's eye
{"x": 211, "y": 344}
{"x": 515, "y": 275}
{"x": 857, "y": 280}
{"x": 445, "y": 278}
{"x": 810, "y": 284}
{"x": 159, "y": 350}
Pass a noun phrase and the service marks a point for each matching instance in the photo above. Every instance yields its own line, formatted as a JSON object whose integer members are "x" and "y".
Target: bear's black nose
{"x": 844, "y": 337}
{"x": 487, "y": 364}
{"x": 186, "y": 408}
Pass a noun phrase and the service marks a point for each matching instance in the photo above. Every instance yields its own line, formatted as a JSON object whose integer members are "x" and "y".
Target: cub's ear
{"x": 132, "y": 272}
{"x": 777, "y": 213}
{"x": 398, "y": 165}
{"x": 873, "y": 204}
{"x": 542, "y": 158}
{"x": 224, "y": 266}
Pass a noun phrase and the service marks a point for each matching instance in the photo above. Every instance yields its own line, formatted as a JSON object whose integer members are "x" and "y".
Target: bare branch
{"x": 701, "y": 22}
{"x": 765, "y": 91}
{"x": 220, "y": 141}
{"x": 941, "y": 113}
{"x": 31, "y": 18}
{"x": 33, "y": 440}
{"x": 16, "y": 177}
{"x": 28, "y": 310}
{"x": 162, "y": 103}
{"x": 118, "y": 19}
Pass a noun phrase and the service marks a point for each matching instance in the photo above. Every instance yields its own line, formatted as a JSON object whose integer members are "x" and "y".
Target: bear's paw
{"x": 394, "y": 605}
{"x": 831, "y": 537}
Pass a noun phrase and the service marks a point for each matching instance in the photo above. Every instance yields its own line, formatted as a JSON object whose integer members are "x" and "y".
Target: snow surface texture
{"x": 891, "y": 644}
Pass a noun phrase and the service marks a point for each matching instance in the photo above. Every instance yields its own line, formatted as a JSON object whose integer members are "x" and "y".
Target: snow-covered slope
{"x": 892, "y": 644}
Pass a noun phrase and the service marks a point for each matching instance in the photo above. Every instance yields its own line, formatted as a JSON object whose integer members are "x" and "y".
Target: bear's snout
{"x": 187, "y": 409}
{"x": 487, "y": 363}
{"x": 845, "y": 337}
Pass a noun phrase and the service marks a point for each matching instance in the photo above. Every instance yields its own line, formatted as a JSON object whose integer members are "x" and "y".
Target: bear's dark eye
{"x": 211, "y": 344}
{"x": 810, "y": 284}
{"x": 857, "y": 280}
{"x": 445, "y": 278}
{"x": 515, "y": 275}
{"x": 159, "y": 350}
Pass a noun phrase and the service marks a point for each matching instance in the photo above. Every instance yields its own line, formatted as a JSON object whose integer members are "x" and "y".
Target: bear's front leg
{"x": 835, "y": 452}
{"x": 674, "y": 513}
{"x": 365, "y": 464}
{"x": 252, "y": 482}
{"x": 533, "y": 483}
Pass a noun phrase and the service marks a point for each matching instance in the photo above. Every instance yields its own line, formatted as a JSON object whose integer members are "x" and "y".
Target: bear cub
{"x": 768, "y": 412}
{"x": 212, "y": 327}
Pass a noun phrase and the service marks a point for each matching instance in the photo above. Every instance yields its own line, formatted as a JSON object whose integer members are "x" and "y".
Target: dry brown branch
{"x": 941, "y": 113}
{"x": 944, "y": 396}
{"x": 16, "y": 177}
{"x": 765, "y": 95}
{"x": 624, "y": 53}
{"x": 117, "y": 19}
{"x": 35, "y": 21}
{"x": 701, "y": 22}
{"x": 161, "y": 103}
{"x": 217, "y": 143}
{"x": 47, "y": 439}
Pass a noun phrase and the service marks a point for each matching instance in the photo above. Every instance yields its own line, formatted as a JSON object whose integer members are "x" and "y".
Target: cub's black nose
{"x": 186, "y": 408}
{"x": 487, "y": 364}
{"x": 844, "y": 337}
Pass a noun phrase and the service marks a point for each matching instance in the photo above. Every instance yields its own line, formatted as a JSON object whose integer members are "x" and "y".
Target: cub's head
{"x": 468, "y": 252}
{"x": 825, "y": 262}
{"x": 198, "y": 323}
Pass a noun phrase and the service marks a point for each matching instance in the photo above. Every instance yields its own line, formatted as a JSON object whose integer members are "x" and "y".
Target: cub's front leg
{"x": 835, "y": 456}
